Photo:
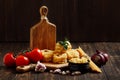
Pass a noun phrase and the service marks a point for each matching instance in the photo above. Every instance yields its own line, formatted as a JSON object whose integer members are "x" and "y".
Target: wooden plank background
{"x": 78, "y": 20}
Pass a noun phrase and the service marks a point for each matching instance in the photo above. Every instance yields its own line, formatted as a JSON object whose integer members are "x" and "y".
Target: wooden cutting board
{"x": 55, "y": 66}
{"x": 48, "y": 65}
{"x": 43, "y": 34}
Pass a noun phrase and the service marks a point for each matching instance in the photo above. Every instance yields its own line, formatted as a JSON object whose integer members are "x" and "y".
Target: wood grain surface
{"x": 110, "y": 71}
{"x": 43, "y": 34}
{"x": 79, "y": 20}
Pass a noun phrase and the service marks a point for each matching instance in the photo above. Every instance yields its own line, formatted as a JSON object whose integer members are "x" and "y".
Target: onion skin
{"x": 106, "y": 56}
{"x": 99, "y": 58}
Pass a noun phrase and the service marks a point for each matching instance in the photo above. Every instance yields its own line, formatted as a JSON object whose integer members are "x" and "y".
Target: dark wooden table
{"x": 110, "y": 71}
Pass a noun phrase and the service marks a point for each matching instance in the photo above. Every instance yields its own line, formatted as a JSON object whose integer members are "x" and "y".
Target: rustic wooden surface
{"x": 111, "y": 71}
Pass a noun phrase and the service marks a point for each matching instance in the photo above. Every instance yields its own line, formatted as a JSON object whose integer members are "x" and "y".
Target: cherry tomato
{"x": 27, "y": 54}
{"x": 9, "y": 59}
{"x": 35, "y": 55}
{"x": 22, "y": 60}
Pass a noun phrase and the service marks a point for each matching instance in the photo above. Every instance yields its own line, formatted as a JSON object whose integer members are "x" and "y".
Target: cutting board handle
{"x": 43, "y": 12}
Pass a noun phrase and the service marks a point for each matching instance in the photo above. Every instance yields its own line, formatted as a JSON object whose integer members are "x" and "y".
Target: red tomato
{"x": 35, "y": 55}
{"x": 22, "y": 60}
{"x": 27, "y": 54}
{"x": 9, "y": 59}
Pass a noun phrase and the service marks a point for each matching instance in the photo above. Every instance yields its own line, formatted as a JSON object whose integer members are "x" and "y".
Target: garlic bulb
{"x": 40, "y": 67}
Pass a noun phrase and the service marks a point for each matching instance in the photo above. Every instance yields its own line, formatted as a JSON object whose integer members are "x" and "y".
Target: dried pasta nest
{"x": 72, "y": 53}
{"x": 62, "y": 48}
{"x": 60, "y": 58}
{"x": 47, "y": 55}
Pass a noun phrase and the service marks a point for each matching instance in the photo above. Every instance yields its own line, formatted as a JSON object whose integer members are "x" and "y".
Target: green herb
{"x": 64, "y": 43}
{"x": 27, "y": 50}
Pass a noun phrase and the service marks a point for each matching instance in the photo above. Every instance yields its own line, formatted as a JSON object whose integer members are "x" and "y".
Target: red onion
{"x": 99, "y": 58}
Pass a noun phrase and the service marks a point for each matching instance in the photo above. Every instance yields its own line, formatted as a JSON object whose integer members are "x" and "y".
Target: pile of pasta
{"x": 60, "y": 54}
{"x": 65, "y": 53}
